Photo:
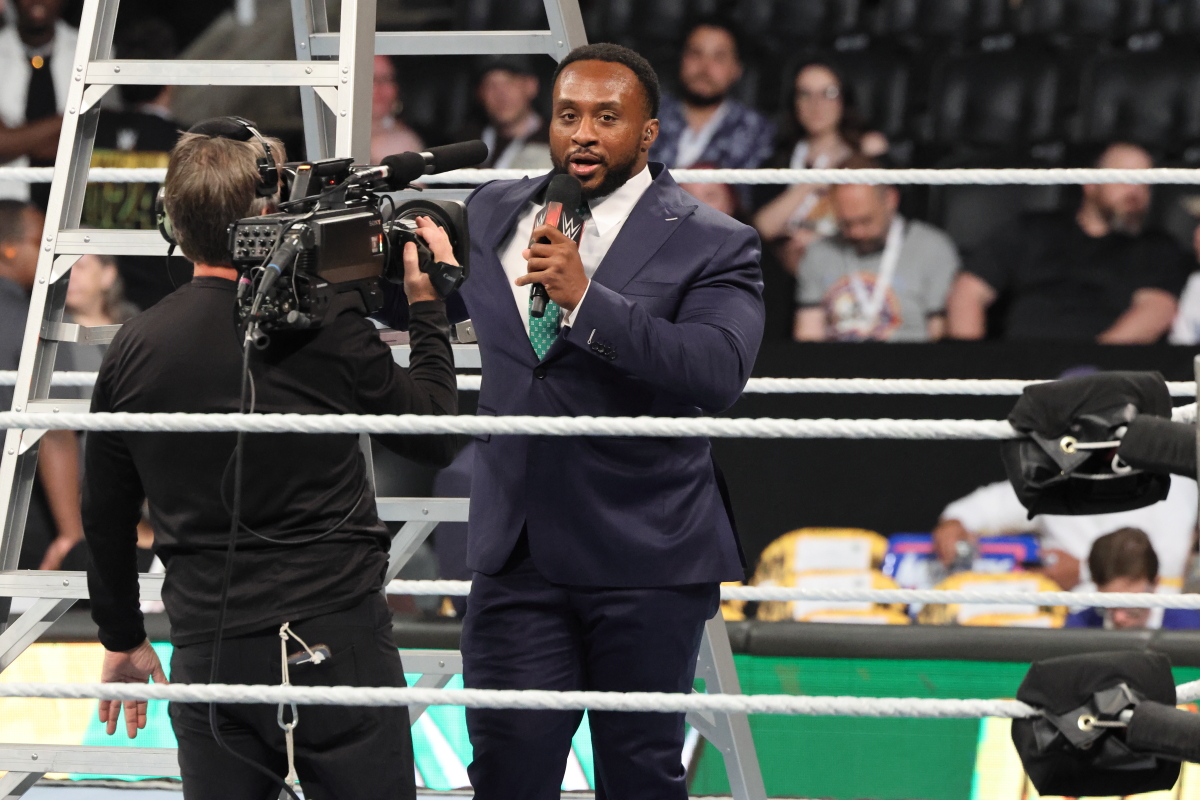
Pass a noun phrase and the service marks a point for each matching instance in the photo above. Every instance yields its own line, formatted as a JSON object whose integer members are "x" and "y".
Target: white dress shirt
{"x": 995, "y": 510}
{"x": 15, "y": 69}
{"x": 608, "y": 217}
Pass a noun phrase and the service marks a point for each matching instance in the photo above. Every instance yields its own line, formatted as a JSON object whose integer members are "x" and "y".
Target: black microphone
{"x": 562, "y": 201}
{"x": 403, "y": 168}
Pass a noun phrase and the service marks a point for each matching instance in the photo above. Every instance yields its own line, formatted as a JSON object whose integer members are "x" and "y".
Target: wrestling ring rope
{"x": 914, "y": 386}
{"x": 916, "y": 429}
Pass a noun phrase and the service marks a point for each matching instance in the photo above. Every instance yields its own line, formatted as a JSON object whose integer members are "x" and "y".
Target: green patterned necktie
{"x": 544, "y": 330}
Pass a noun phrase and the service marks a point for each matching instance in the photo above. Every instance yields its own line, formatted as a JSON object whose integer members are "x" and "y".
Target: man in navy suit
{"x": 597, "y": 560}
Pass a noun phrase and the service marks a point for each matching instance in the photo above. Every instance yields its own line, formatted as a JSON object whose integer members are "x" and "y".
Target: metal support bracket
{"x": 29, "y": 627}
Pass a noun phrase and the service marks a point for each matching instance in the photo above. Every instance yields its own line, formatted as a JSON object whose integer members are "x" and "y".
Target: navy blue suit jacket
{"x": 670, "y": 327}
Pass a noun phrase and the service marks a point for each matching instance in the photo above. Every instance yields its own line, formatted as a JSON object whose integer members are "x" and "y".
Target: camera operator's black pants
{"x": 342, "y": 752}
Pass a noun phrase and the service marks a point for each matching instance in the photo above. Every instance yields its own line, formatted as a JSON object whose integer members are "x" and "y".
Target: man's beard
{"x": 614, "y": 177}
{"x": 701, "y": 100}
{"x": 1128, "y": 223}
{"x": 865, "y": 247}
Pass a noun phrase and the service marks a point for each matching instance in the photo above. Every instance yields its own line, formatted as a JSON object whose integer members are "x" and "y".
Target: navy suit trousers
{"x": 523, "y": 632}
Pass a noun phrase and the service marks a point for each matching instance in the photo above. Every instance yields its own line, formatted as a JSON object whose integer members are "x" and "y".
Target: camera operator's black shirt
{"x": 184, "y": 355}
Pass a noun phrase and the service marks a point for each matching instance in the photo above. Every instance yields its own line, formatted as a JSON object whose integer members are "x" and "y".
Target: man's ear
{"x": 649, "y": 134}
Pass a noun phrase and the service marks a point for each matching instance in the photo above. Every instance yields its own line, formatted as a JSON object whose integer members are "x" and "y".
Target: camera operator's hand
{"x": 556, "y": 266}
{"x": 132, "y": 666}
{"x": 416, "y": 283}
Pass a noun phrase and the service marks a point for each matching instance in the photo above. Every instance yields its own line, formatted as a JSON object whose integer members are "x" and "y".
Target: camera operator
{"x": 312, "y": 550}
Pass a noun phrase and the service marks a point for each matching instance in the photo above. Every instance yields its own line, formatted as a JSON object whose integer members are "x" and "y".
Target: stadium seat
{"x": 1175, "y": 208}
{"x": 1002, "y": 100}
{"x": 503, "y": 15}
{"x": 972, "y": 214}
{"x": 790, "y": 23}
{"x": 957, "y": 20}
{"x": 879, "y": 78}
{"x": 1072, "y": 21}
{"x": 1152, "y": 99}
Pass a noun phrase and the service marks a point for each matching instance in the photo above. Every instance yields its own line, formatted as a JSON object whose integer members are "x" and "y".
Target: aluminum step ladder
{"x": 334, "y": 72}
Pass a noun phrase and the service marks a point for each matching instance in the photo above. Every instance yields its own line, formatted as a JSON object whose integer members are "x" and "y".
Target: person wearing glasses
{"x": 823, "y": 131}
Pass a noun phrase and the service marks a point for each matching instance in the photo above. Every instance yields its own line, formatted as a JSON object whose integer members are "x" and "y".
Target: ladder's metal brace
{"x": 335, "y": 96}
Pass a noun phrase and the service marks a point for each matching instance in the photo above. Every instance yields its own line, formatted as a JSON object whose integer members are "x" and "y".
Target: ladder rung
{"x": 446, "y": 43}
{"x": 89, "y": 760}
{"x": 430, "y": 509}
{"x": 466, "y": 356}
{"x": 80, "y": 334}
{"x": 100, "y": 241}
{"x": 214, "y": 73}
{"x": 72, "y": 405}
{"x": 65, "y": 585}
{"x": 433, "y": 662}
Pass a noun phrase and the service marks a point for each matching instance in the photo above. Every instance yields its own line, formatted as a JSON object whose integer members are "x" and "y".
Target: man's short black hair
{"x": 12, "y": 220}
{"x": 720, "y": 22}
{"x": 616, "y": 54}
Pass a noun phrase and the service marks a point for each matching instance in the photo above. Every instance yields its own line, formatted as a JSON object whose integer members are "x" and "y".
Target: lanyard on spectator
{"x": 799, "y": 159}
{"x": 869, "y": 307}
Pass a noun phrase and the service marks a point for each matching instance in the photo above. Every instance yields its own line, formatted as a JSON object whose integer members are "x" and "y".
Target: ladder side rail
{"x": 309, "y": 18}
{"x": 17, "y": 468}
{"x": 566, "y": 25}
{"x": 356, "y": 69}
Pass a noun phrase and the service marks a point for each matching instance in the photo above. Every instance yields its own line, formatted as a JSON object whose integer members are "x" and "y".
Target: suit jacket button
{"x": 539, "y": 372}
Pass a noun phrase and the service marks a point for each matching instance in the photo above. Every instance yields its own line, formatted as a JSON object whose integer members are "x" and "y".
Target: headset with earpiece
{"x": 239, "y": 129}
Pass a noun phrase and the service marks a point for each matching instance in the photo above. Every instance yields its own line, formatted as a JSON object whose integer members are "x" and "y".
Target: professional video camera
{"x": 337, "y": 235}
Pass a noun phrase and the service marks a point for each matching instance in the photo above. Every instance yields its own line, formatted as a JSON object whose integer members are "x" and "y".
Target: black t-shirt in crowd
{"x": 184, "y": 355}
{"x": 1053, "y": 281}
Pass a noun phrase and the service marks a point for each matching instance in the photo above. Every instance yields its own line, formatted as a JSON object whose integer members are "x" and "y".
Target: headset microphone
{"x": 562, "y": 201}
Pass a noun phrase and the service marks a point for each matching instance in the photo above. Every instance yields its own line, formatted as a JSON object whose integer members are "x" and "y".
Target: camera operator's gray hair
{"x": 210, "y": 184}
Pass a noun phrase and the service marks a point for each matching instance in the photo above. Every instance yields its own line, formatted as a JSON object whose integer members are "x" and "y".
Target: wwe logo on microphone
{"x": 572, "y": 228}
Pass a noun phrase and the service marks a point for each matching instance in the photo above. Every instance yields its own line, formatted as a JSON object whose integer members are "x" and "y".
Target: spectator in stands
{"x": 140, "y": 134}
{"x": 95, "y": 296}
{"x": 705, "y": 124}
{"x": 1095, "y": 276}
{"x": 54, "y": 525}
{"x": 881, "y": 278}
{"x": 389, "y": 133}
{"x": 1066, "y": 542}
{"x": 35, "y": 70}
{"x": 822, "y": 132}
{"x": 721, "y": 196}
{"x": 1125, "y": 561}
{"x": 1186, "y": 327}
{"x": 516, "y": 135}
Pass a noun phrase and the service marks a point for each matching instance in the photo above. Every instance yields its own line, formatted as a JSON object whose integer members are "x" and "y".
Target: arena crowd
{"x": 822, "y": 84}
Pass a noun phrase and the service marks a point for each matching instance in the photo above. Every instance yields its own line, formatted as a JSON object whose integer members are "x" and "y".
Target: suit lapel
{"x": 662, "y": 208}
{"x": 509, "y": 208}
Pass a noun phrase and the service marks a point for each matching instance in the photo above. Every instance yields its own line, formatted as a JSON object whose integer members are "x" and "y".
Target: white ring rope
{"x": 749, "y": 428}
{"x": 713, "y": 427}
{"x": 537, "y": 699}
{"x": 883, "y": 596}
{"x": 925, "y": 177}
{"x": 887, "y": 386}
{"x": 530, "y": 699}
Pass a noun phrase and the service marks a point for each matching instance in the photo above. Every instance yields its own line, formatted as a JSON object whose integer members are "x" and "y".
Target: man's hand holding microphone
{"x": 555, "y": 268}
